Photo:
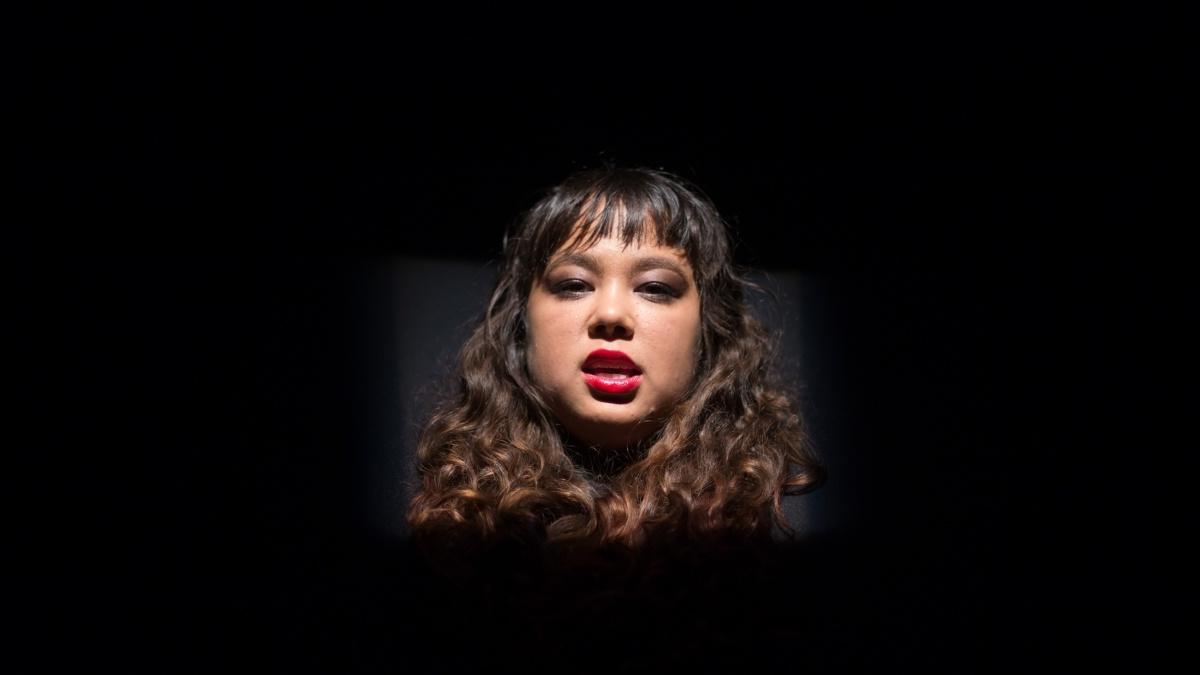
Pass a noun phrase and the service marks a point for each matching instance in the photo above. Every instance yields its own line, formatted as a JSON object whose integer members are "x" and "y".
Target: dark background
{"x": 207, "y": 269}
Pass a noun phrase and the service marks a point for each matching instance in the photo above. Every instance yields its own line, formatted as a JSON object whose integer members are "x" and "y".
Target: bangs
{"x": 635, "y": 216}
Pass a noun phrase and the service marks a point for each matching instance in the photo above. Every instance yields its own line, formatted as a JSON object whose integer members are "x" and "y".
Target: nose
{"x": 612, "y": 318}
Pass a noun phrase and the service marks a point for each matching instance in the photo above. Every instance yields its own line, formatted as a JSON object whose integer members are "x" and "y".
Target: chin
{"x": 625, "y": 419}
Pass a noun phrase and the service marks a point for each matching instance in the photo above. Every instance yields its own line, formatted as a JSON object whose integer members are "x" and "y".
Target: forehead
{"x": 646, "y": 254}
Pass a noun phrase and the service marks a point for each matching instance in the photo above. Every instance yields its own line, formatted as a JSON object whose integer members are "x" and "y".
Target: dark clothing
{"x": 692, "y": 612}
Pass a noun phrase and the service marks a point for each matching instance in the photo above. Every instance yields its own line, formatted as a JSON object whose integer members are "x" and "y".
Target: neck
{"x": 604, "y": 464}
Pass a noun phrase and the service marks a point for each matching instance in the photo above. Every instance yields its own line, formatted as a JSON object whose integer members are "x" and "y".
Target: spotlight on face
{"x": 614, "y": 338}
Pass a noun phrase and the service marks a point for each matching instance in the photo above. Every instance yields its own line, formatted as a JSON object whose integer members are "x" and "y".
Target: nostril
{"x": 614, "y": 330}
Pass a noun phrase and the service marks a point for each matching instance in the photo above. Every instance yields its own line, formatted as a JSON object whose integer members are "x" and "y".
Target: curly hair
{"x": 494, "y": 463}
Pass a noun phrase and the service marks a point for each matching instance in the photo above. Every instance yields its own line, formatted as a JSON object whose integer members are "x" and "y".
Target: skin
{"x": 651, "y": 314}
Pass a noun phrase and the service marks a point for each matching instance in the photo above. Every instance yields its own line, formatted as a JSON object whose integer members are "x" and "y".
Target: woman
{"x": 617, "y": 395}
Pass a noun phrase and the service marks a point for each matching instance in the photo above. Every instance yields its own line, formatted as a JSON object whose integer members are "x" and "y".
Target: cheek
{"x": 680, "y": 347}
{"x": 547, "y": 347}
{"x": 692, "y": 349}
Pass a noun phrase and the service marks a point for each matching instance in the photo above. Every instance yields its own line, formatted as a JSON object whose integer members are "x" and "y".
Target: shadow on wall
{"x": 432, "y": 306}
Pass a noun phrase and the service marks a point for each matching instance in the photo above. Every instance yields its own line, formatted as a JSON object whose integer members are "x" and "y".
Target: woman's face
{"x": 641, "y": 301}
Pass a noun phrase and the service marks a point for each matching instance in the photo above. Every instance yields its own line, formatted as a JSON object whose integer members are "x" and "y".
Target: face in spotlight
{"x": 614, "y": 338}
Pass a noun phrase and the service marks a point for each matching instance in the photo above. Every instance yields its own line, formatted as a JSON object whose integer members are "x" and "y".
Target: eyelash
{"x": 564, "y": 290}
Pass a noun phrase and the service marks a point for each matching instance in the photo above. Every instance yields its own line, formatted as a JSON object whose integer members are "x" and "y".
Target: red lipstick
{"x": 611, "y": 372}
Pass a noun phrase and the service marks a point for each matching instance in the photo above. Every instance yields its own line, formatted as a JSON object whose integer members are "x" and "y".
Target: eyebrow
{"x": 642, "y": 264}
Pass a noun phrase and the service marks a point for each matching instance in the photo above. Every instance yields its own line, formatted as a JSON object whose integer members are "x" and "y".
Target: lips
{"x": 610, "y": 361}
{"x": 611, "y": 372}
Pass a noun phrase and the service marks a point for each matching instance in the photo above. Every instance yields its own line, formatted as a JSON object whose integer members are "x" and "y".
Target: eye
{"x": 571, "y": 287}
{"x": 657, "y": 288}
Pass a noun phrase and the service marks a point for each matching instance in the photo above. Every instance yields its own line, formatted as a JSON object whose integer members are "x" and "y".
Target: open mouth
{"x": 611, "y": 372}
{"x": 612, "y": 382}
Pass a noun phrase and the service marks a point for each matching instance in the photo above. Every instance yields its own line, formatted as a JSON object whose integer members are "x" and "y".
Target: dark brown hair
{"x": 494, "y": 463}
